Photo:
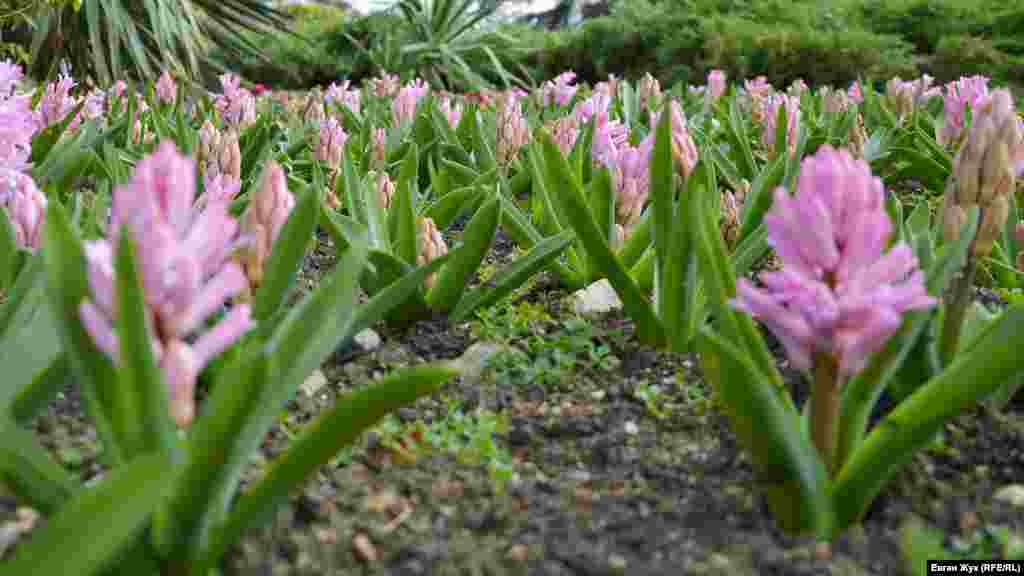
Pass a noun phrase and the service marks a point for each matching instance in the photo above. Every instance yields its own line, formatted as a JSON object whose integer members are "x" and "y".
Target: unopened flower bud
{"x": 431, "y": 245}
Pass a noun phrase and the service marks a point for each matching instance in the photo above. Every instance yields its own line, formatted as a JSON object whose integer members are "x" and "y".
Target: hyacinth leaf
{"x": 247, "y": 397}
{"x": 286, "y": 255}
{"x": 638, "y": 242}
{"x": 342, "y": 229}
{"x": 649, "y": 328}
{"x": 739, "y": 140}
{"x": 486, "y": 159}
{"x": 335, "y": 429}
{"x": 459, "y": 173}
{"x": 510, "y": 278}
{"x": 793, "y": 160}
{"x": 602, "y": 205}
{"x": 455, "y": 276}
{"x": 439, "y": 184}
{"x": 352, "y": 194}
{"x": 720, "y": 287}
{"x": 672, "y": 254}
{"x": 67, "y": 286}
{"x": 750, "y": 250}
{"x": 44, "y": 140}
{"x": 27, "y": 470}
{"x": 914, "y": 423}
{"x": 141, "y": 415}
{"x": 546, "y": 215}
{"x": 724, "y": 165}
{"x": 405, "y": 291}
{"x": 759, "y": 199}
{"x": 9, "y": 255}
{"x": 402, "y": 214}
{"x": 787, "y": 465}
{"x": 30, "y": 345}
{"x": 781, "y": 130}
{"x": 446, "y": 209}
{"x": 122, "y": 503}
{"x": 902, "y": 361}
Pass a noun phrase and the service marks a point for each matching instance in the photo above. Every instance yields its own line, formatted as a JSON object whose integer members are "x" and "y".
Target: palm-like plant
{"x": 112, "y": 39}
{"x": 446, "y": 35}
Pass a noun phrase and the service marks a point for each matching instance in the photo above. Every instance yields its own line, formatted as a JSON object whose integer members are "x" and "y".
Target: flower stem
{"x": 956, "y": 310}
{"x": 825, "y": 407}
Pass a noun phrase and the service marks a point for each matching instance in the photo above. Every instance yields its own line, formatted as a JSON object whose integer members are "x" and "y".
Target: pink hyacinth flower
{"x": 10, "y": 74}
{"x": 187, "y": 276}
{"x": 25, "y": 206}
{"x": 342, "y": 95}
{"x": 716, "y": 84}
{"x": 331, "y": 144}
{"x": 967, "y": 92}
{"x": 684, "y": 149}
{"x": 403, "y": 108}
{"x": 560, "y": 90}
{"x": 452, "y": 111}
{"x": 166, "y": 89}
{"x": 792, "y": 105}
{"x": 839, "y": 292}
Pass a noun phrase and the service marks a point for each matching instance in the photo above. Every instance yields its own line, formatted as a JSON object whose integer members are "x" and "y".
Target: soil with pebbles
{"x": 602, "y": 485}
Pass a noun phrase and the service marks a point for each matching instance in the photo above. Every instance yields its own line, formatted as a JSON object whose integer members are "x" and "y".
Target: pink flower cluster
{"x": 186, "y": 272}
{"x": 341, "y": 95}
{"x": 236, "y": 105}
{"x": 969, "y": 91}
{"x": 684, "y": 150}
{"x": 560, "y": 90}
{"x": 166, "y": 88}
{"x": 24, "y": 204}
{"x": 452, "y": 111}
{"x": 403, "y": 108}
{"x": 838, "y": 292}
{"x": 792, "y": 104}
{"x": 57, "y": 102}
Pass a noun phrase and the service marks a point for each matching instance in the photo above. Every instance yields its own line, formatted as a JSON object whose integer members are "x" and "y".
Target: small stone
{"x": 617, "y": 562}
{"x": 473, "y": 361}
{"x": 364, "y": 548}
{"x": 313, "y": 383}
{"x": 719, "y": 562}
{"x": 326, "y": 535}
{"x": 9, "y": 534}
{"x": 518, "y": 553}
{"x": 1012, "y": 495}
{"x": 822, "y": 551}
{"x": 631, "y": 428}
{"x": 598, "y": 394}
{"x": 367, "y": 340}
{"x": 26, "y": 518}
{"x": 597, "y": 298}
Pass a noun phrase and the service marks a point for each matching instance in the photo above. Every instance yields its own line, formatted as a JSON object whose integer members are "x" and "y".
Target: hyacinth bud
{"x": 684, "y": 150}
{"x": 649, "y": 91}
{"x": 431, "y": 245}
{"x": 984, "y": 172}
{"x": 900, "y": 97}
{"x": 229, "y": 156}
{"x": 314, "y": 111}
{"x": 209, "y": 143}
{"x": 618, "y": 236}
{"x": 513, "y": 131}
{"x": 385, "y": 190}
{"x": 730, "y": 225}
{"x": 331, "y": 143}
{"x": 267, "y": 212}
{"x": 26, "y": 208}
{"x": 836, "y": 102}
{"x": 380, "y": 157}
{"x": 564, "y": 131}
{"x": 166, "y": 89}
{"x": 858, "y": 137}
{"x": 716, "y": 86}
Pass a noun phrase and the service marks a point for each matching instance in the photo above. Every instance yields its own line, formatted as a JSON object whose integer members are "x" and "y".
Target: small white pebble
{"x": 631, "y": 428}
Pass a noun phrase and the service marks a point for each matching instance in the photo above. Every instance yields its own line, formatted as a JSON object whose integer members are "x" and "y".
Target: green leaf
{"x": 507, "y": 280}
{"x": 140, "y": 407}
{"x": 914, "y": 423}
{"x": 672, "y": 254}
{"x": 338, "y": 427}
{"x": 649, "y": 328}
{"x": 460, "y": 270}
{"x": 402, "y": 214}
{"x": 286, "y": 256}
{"x": 449, "y": 207}
{"x": 66, "y": 286}
{"x": 122, "y": 504}
{"x": 28, "y": 471}
{"x": 786, "y": 464}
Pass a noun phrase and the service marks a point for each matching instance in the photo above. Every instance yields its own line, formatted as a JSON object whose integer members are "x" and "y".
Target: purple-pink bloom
{"x": 236, "y": 105}
{"x": 855, "y": 93}
{"x": 331, "y": 144}
{"x": 609, "y": 137}
{"x": 25, "y": 206}
{"x": 10, "y": 74}
{"x": 596, "y": 105}
{"x": 684, "y": 150}
{"x": 403, "y": 108}
{"x": 18, "y": 124}
{"x": 166, "y": 88}
{"x": 341, "y": 94}
{"x": 452, "y": 111}
{"x": 792, "y": 104}
{"x": 560, "y": 90}
{"x": 716, "y": 86}
{"x": 187, "y": 275}
{"x": 838, "y": 292}
{"x": 57, "y": 102}
{"x": 968, "y": 91}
